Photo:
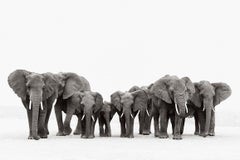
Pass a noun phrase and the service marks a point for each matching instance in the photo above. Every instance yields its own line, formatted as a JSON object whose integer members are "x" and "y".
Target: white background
{"x": 118, "y": 44}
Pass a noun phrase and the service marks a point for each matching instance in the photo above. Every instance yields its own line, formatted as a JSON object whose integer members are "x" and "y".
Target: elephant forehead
{"x": 179, "y": 86}
{"x": 127, "y": 97}
{"x": 35, "y": 80}
{"x": 106, "y": 107}
{"x": 88, "y": 99}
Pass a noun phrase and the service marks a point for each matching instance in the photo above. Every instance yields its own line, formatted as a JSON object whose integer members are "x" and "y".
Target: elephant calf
{"x": 106, "y": 114}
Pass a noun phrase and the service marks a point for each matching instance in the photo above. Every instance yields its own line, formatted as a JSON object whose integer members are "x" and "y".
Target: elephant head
{"x": 207, "y": 96}
{"x": 128, "y": 103}
{"x": 33, "y": 89}
{"x": 172, "y": 89}
{"x": 91, "y": 103}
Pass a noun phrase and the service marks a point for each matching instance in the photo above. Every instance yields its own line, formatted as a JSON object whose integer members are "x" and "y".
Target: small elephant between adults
{"x": 128, "y": 104}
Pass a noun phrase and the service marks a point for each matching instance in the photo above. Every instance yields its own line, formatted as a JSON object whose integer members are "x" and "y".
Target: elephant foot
{"x": 130, "y": 136}
{"x": 102, "y": 134}
{"x": 163, "y": 135}
{"x": 108, "y": 135}
{"x": 36, "y": 137}
{"x": 91, "y": 136}
{"x": 67, "y": 131}
{"x": 211, "y": 134}
{"x": 60, "y": 133}
{"x": 30, "y": 137}
{"x": 177, "y": 137}
{"x": 122, "y": 135}
{"x": 196, "y": 133}
{"x": 203, "y": 134}
{"x": 47, "y": 131}
{"x": 76, "y": 132}
{"x": 43, "y": 133}
{"x": 88, "y": 137}
{"x": 146, "y": 132}
{"x": 44, "y": 136}
{"x": 157, "y": 134}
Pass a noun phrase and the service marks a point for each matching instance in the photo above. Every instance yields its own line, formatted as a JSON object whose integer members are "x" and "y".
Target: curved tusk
{"x": 54, "y": 102}
{"x": 121, "y": 115}
{"x": 204, "y": 108}
{"x": 176, "y": 109}
{"x": 213, "y": 109}
{"x": 93, "y": 118}
{"x": 138, "y": 111}
{"x": 30, "y": 105}
{"x": 186, "y": 107}
{"x": 131, "y": 115}
{"x": 147, "y": 113}
{"x": 83, "y": 117}
{"x": 41, "y": 105}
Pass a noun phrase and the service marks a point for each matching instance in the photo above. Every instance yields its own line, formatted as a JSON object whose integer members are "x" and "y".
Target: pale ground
{"x": 14, "y": 143}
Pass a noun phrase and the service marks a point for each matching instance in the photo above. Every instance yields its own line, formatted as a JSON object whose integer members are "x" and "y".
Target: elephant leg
{"x": 178, "y": 121}
{"x": 123, "y": 128}
{"x": 79, "y": 126}
{"x": 163, "y": 122}
{"x": 146, "y": 125}
{"x": 197, "y": 131}
{"x": 212, "y": 125}
{"x": 92, "y": 129}
{"x": 66, "y": 125}
{"x": 172, "y": 119}
{"x": 101, "y": 129}
{"x": 156, "y": 125}
{"x": 202, "y": 119}
{"x": 108, "y": 128}
{"x": 83, "y": 122}
{"x": 140, "y": 123}
{"x": 42, "y": 132}
{"x": 49, "y": 110}
{"x": 58, "y": 113}
{"x": 29, "y": 115}
{"x": 182, "y": 126}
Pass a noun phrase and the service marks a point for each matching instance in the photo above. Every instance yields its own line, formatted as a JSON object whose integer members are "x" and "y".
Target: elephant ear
{"x": 17, "y": 81}
{"x": 116, "y": 100}
{"x": 222, "y": 92}
{"x": 51, "y": 85}
{"x": 196, "y": 97}
{"x": 140, "y": 100}
{"x": 189, "y": 85}
{"x": 160, "y": 90}
{"x": 98, "y": 101}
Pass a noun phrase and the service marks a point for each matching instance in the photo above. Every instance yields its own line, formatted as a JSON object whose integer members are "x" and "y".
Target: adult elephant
{"x": 37, "y": 92}
{"x": 106, "y": 114}
{"x": 128, "y": 104}
{"x": 204, "y": 100}
{"x": 169, "y": 98}
{"x": 144, "y": 115}
{"x": 68, "y": 100}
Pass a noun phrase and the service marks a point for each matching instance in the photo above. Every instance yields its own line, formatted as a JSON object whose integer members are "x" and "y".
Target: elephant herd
{"x": 169, "y": 97}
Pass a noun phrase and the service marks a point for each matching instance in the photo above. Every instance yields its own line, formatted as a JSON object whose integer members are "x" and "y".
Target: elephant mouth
{"x": 178, "y": 110}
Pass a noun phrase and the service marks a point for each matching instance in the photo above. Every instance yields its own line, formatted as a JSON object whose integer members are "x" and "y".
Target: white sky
{"x": 118, "y": 44}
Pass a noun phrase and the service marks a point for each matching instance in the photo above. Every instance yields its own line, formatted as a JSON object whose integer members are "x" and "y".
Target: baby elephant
{"x": 106, "y": 114}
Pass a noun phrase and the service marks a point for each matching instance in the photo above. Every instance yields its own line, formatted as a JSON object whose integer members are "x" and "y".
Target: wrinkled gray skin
{"x": 68, "y": 101}
{"x": 41, "y": 90}
{"x": 106, "y": 114}
{"x": 144, "y": 115}
{"x": 127, "y": 105}
{"x": 169, "y": 98}
{"x": 203, "y": 102}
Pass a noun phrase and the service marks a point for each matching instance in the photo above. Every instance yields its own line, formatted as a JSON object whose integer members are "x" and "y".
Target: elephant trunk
{"x": 88, "y": 124}
{"x": 36, "y": 99}
{"x": 127, "y": 115}
{"x": 208, "y": 108}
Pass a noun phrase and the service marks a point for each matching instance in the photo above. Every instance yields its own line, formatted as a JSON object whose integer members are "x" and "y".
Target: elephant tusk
{"x": 204, "y": 108}
{"x": 54, "y": 102}
{"x": 83, "y": 117}
{"x": 131, "y": 115}
{"x": 138, "y": 111}
{"x": 213, "y": 109}
{"x": 176, "y": 107}
{"x": 93, "y": 118}
{"x": 186, "y": 107}
{"x": 147, "y": 113}
{"x": 30, "y": 105}
{"x": 41, "y": 105}
{"x": 121, "y": 115}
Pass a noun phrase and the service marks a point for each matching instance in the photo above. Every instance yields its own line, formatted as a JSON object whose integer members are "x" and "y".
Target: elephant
{"x": 128, "y": 104}
{"x": 206, "y": 97}
{"x": 38, "y": 93}
{"x": 169, "y": 97}
{"x": 144, "y": 115}
{"x": 69, "y": 100}
{"x": 106, "y": 114}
